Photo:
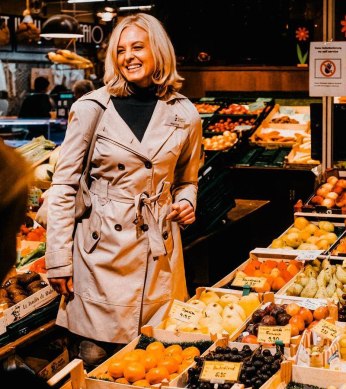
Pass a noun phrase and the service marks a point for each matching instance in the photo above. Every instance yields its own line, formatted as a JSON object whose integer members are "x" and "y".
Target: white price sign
{"x": 308, "y": 255}
{"x": 184, "y": 312}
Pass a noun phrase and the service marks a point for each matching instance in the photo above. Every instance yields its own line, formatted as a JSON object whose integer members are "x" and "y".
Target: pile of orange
{"x": 150, "y": 366}
{"x": 277, "y": 273}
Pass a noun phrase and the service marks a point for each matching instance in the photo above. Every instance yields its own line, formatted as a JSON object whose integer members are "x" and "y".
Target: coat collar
{"x": 159, "y": 129}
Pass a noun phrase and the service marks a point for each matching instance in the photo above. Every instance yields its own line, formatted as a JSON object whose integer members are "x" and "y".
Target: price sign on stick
{"x": 220, "y": 372}
{"x": 308, "y": 255}
{"x": 185, "y": 312}
{"x": 253, "y": 282}
{"x": 325, "y": 329}
{"x": 272, "y": 334}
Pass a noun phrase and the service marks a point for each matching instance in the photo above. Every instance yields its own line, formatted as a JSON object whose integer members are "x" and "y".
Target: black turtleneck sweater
{"x": 137, "y": 109}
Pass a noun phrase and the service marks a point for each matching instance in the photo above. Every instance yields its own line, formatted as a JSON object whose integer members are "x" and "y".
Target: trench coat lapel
{"x": 118, "y": 130}
{"x": 160, "y": 128}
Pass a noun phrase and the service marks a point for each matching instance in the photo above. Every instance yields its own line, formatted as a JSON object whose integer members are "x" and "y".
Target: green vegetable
{"x": 37, "y": 253}
{"x": 294, "y": 385}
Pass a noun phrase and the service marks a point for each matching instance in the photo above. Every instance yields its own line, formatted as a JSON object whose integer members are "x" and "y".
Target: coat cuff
{"x": 57, "y": 259}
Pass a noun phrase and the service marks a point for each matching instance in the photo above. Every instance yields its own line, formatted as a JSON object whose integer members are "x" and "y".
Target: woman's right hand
{"x": 63, "y": 286}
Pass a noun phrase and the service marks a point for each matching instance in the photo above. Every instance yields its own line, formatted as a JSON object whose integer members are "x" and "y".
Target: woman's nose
{"x": 128, "y": 55}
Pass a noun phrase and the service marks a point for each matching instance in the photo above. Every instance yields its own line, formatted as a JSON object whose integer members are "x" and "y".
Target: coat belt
{"x": 144, "y": 212}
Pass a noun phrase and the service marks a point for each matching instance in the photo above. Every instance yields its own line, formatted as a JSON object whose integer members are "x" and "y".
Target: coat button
{"x": 118, "y": 227}
{"x": 145, "y": 227}
{"x": 95, "y": 235}
{"x": 121, "y": 166}
{"x": 148, "y": 164}
{"x": 165, "y": 235}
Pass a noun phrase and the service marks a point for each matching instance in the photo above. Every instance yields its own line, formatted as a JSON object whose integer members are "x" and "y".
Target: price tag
{"x": 325, "y": 329}
{"x": 264, "y": 99}
{"x": 206, "y": 99}
{"x": 271, "y": 334}
{"x": 243, "y": 127}
{"x": 220, "y": 372}
{"x": 253, "y": 282}
{"x": 185, "y": 312}
{"x": 255, "y": 106}
{"x": 306, "y": 117}
{"x": 312, "y": 303}
{"x": 206, "y": 115}
{"x": 287, "y": 110}
{"x": 308, "y": 255}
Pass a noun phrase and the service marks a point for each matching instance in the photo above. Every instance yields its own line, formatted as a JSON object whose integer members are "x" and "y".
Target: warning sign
{"x": 327, "y": 69}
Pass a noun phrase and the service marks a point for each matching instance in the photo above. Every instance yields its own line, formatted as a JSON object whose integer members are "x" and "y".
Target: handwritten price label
{"x": 325, "y": 329}
{"x": 308, "y": 255}
{"x": 312, "y": 303}
{"x": 255, "y": 106}
{"x": 271, "y": 334}
{"x": 185, "y": 312}
{"x": 253, "y": 282}
{"x": 243, "y": 127}
{"x": 220, "y": 372}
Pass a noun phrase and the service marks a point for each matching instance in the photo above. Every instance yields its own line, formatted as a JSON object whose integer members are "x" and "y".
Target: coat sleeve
{"x": 62, "y": 194}
{"x": 186, "y": 171}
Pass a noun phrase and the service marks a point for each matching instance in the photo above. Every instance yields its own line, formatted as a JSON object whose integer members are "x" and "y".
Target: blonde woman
{"x": 122, "y": 264}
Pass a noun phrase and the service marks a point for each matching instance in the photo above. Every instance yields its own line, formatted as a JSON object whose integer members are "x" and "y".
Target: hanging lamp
{"x": 61, "y": 26}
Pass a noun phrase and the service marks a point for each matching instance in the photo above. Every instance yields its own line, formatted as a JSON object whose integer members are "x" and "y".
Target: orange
{"x": 130, "y": 357}
{"x": 134, "y": 371}
{"x": 122, "y": 381}
{"x": 143, "y": 383}
{"x": 173, "y": 349}
{"x": 189, "y": 352}
{"x": 321, "y": 313}
{"x": 149, "y": 361}
{"x": 156, "y": 348}
{"x": 139, "y": 352}
{"x": 306, "y": 315}
{"x": 172, "y": 376}
{"x": 178, "y": 358}
{"x": 292, "y": 309}
{"x": 116, "y": 368}
{"x": 294, "y": 330}
{"x": 298, "y": 321}
{"x": 105, "y": 377}
{"x": 183, "y": 367}
{"x": 156, "y": 375}
{"x": 170, "y": 363}
{"x": 278, "y": 283}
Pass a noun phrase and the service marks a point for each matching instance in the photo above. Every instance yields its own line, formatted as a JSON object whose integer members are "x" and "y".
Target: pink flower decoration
{"x": 302, "y": 33}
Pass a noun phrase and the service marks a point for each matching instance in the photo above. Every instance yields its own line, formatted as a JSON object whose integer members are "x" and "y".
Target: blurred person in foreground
{"x": 121, "y": 265}
{"x": 81, "y": 87}
{"x": 15, "y": 178}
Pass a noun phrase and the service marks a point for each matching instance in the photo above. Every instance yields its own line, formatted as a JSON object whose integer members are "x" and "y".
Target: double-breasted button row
{"x": 118, "y": 227}
{"x": 121, "y": 166}
{"x": 165, "y": 235}
{"x": 95, "y": 235}
{"x": 145, "y": 227}
{"x": 148, "y": 164}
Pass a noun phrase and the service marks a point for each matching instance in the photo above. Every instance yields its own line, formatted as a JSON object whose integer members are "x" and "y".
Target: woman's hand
{"x": 63, "y": 286}
{"x": 182, "y": 213}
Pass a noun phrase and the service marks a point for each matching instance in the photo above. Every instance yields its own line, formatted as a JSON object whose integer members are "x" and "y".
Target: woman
{"x": 122, "y": 264}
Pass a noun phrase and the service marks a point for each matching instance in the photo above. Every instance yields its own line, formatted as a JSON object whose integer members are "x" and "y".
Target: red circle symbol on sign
{"x": 328, "y": 68}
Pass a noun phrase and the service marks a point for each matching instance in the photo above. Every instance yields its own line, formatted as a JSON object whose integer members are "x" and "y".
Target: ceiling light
{"x": 136, "y": 8}
{"x": 84, "y": 1}
{"x": 61, "y": 26}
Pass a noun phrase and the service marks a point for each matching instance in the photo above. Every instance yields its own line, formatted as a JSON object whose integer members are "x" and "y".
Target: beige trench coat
{"x": 125, "y": 258}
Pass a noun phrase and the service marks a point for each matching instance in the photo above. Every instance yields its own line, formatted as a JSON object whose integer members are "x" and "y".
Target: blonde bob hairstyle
{"x": 165, "y": 75}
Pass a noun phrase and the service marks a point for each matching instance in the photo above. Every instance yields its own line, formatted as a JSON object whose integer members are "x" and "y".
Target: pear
{"x": 302, "y": 279}
{"x": 227, "y": 298}
{"x": 331, "y": 288}
{"x": 326, "y": 226}
{"x": 213, "y": 314}
{"x": 231, "y": 323}
{"x": 310, "y": 228}
{"x": 322, "y": 279}
{"x": 321, "y": 293}
{"x": 234, "y": 309}
{"x": 197, "y": 303}
{"x": 341, "y": 274}
{"x": 309, "y": 271}
{"x": 294, "y": 289}
{"x": 213, "y": 307}
{"x": 277, "y": 243}
{"x": 310, "y": 289}
{"x": 292, "y": 239}
{"x": 307, "y": 246}
{"x": 189, "y": 327}
{"x": 209, "y": 296}
{"x": 301, "y": 222}
{"x": 208, "y": 321}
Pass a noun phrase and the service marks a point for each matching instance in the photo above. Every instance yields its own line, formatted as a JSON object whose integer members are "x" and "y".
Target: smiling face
{"x": 135, "y": 58}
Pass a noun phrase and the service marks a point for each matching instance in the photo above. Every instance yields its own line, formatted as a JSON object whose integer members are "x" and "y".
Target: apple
{"x": 211, "y": 307}
{"x": 197, "y": 303}
{"x": 292, "y": 239}
{"x": 231, "y": 323}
